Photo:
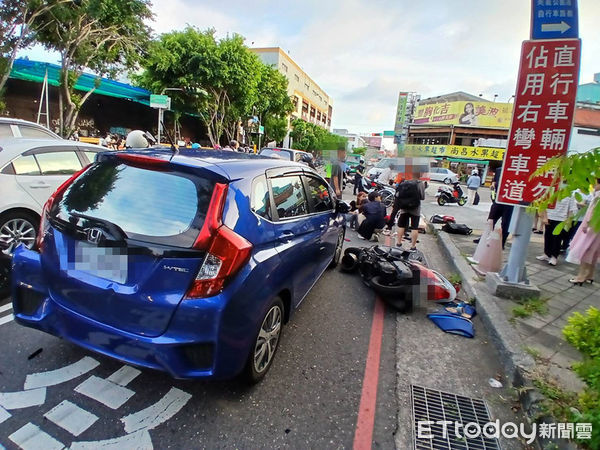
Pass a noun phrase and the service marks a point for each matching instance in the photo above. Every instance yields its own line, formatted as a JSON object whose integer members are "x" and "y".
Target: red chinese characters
{"x": 542, "y": 117}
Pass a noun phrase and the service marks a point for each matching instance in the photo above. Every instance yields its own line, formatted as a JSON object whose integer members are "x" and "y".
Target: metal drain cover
{"x": 436, "y": 406}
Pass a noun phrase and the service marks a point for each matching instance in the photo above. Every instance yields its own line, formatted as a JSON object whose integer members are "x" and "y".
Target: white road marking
{"x": 124, "y": 375}
{"x": 5, "y": 307}
{"x": 135, "y": 441}
{"x": 158, "y": 413}
{"x": 104, "y": 391}
{"x": 71, "y": 417}
{"x": 30, "y": 437}
{"x": 4, "y": 414}
{"x": 23, "y": 399}
{"x": 58, "y": 376}
{"x": 6, "y": 319}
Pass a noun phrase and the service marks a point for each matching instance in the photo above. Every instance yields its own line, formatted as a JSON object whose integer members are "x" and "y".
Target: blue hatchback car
{"x": 187, "y": 263}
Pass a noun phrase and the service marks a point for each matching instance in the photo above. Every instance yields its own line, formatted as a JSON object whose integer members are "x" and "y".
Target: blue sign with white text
{"x": 554, "y": 19}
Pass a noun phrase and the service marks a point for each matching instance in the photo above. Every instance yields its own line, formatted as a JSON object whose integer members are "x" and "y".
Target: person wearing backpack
{"x": 407, "y": 201}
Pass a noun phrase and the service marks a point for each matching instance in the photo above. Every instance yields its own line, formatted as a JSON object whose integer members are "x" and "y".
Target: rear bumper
{"x": 191, "y": 347}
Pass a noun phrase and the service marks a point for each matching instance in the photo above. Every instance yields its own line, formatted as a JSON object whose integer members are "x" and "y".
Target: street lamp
{"x": 495, "y": 95}
{"x": 512, "y": 97}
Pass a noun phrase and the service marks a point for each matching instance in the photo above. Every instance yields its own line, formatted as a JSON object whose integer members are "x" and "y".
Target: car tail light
{"x": 48, "y": 205}
{"x": 142, "y": 160}
{"x": 226, "y": 251}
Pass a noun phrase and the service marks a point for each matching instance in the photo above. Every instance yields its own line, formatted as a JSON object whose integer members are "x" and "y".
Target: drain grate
{"x": 433, "y": 405}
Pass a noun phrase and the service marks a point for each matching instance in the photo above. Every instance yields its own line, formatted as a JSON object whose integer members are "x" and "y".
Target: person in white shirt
{"x": 552, "y": 243}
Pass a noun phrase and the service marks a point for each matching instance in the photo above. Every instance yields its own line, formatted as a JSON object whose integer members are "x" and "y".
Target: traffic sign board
{"x": 542, "y": 117}
{"x": 554, "y": 19}
{"x": 160, "y": 101}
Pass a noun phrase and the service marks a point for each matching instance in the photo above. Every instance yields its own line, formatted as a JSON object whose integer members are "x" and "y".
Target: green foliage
{"x": 229, "y": 73}
{"x": 102, "y": 35}
{"x": 275, "y": 128}
{"x": 359, "y": 150}
{"x": 308, "y": 136}
{"x": 572, "y": 172}
{"x": 583, "y": 332}
{"x": 529, "y": 306}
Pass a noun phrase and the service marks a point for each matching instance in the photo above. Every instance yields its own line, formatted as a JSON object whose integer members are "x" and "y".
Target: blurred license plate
{"x": 109, "y": 263}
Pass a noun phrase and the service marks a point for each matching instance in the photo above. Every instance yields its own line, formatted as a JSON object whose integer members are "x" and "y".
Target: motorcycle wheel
{"x": 387, "y": 198}
{"x": 462, "y": 201}
{"x": 441, "y": 201}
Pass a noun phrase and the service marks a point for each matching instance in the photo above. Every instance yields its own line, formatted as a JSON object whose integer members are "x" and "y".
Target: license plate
{"x": 109, "y": 263}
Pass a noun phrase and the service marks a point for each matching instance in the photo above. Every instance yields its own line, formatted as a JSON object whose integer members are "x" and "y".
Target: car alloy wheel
{"x": 447, "y": 180}
{"x": 268, "y": 339}
{"x": 338, "y": 250}
{"x": 14, "y": 232}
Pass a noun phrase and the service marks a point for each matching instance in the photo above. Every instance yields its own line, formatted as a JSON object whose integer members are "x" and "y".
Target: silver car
{"x": 446, "y": 176}
{"x": 17, "y": 128}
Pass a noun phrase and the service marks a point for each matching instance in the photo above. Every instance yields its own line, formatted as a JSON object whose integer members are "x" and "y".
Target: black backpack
{"x": 457, "y": 228}
{"x": 407, "y": 195}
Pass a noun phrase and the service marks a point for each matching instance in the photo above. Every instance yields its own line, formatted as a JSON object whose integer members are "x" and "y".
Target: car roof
{"x": 15, "y": 121}
{"x": 12, "y": 147}
{"x": 233, "y": 165}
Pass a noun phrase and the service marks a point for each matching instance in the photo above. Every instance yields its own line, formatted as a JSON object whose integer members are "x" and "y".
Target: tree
{"x": 571, "y": 172}
{"x": 16, "y": 19}
{"x": 276, "y": 128}
{"x": 226, "y": 70}
{"x": 359, "y": 150}
{"x": 308, "y": 136}
{"x": 101, "y": 35}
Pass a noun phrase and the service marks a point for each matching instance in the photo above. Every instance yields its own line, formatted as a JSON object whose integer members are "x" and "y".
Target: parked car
{"x": 30, "y": 171}
{"x": 18, "y": 128}
{"x": 444, "y": 175}
{"x": 188, "y": 264}
{"x": 288, "y": 154}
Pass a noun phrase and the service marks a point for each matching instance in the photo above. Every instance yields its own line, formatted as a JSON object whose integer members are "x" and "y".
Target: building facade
{"x": 311, "y": 103}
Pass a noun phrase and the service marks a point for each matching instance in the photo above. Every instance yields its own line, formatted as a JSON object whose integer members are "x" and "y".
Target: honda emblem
{"x": 94, "y": 235}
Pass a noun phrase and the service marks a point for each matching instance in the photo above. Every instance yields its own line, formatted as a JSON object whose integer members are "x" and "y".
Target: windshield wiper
{"x": 115, "y": 231}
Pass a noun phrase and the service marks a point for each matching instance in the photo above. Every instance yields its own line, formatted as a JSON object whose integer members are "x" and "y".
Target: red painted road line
{"x": 363, "y": 435}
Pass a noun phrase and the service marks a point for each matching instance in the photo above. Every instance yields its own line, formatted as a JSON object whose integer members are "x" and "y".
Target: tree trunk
{"x": 11, "y": 62}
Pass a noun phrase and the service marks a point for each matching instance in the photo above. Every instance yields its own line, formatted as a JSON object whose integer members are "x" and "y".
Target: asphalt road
{"x": 310, "y": 399}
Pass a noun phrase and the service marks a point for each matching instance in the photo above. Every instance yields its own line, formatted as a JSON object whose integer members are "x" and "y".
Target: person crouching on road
{"x": 473, "y": 184}
{"x": 374, "y": 213}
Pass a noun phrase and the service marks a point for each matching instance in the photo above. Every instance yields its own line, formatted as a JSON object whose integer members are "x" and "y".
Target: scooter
{"x": 386, "y": 192}
{"x": 445, "y": 194}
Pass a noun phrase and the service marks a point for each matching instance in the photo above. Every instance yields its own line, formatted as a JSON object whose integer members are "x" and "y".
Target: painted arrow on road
{"x": 562, "y": 26}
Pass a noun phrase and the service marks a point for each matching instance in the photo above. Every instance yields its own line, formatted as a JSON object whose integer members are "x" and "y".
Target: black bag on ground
{"x": 476, "y": 199}
{"x": 457, "y": 228}
{"x": 407, "y": 195}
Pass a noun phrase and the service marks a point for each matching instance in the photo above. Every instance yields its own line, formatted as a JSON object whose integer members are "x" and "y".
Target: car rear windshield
{"x": 283, "y": 154}
{"x": 162, "y": 207}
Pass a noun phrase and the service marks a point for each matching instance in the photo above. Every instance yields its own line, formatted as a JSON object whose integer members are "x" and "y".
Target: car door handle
{"x": 286, "y": 236}
{"x": 39, "y": 185}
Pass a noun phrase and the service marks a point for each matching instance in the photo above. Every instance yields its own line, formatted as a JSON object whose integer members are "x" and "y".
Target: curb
{"x": 517, "y": 364}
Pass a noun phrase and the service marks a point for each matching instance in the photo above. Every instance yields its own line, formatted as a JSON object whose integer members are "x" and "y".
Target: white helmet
{"x": 139, "y": 139}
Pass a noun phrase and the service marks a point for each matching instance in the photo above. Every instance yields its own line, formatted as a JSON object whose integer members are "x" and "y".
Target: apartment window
{"x": 284, "y": 67}
{"x": 297, "y": 78}
{"x": 307, "y": 86}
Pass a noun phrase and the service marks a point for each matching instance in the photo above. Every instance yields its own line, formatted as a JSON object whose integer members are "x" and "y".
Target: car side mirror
{"x": 342, "y": 207}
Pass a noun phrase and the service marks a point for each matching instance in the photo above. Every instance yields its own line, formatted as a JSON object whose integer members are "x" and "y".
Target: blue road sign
{"x": 554, "y": 19}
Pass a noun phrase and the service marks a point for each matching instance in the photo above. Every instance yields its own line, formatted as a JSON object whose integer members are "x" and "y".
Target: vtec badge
{"x": 176, "y": 269}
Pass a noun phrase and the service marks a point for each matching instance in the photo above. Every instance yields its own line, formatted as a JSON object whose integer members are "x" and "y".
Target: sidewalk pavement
{"x": 543, "y": 333}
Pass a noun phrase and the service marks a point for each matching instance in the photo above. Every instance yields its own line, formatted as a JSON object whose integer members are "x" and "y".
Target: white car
{"x": 30, "y": 171}
{"x": 18, "y": 128}
{"x": 444, "y": 175}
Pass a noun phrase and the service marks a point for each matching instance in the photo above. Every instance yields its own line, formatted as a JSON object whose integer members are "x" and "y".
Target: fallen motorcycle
{"x": 401, "y": 278}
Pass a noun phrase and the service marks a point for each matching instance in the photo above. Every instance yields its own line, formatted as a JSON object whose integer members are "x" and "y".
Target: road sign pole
{"x": 520, "y": 226}
{"x": 159, "y": 123}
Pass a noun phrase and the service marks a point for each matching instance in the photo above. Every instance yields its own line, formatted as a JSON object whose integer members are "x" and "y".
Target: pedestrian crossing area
{"x": 6, "y": 313}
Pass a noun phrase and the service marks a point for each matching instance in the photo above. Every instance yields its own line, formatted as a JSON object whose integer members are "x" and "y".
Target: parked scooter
{"x": 386, "y": 192}
{"x": 445, "y": 194}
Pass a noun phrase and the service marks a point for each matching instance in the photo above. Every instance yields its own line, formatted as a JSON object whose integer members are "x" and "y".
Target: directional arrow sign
{"x": 562, "y": 27}
{"x": 554, "y": 19}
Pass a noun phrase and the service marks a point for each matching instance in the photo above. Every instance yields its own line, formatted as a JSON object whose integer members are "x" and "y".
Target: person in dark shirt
{"x": 358, "y": 176}
{"x": 374, "y": 212}
{"x": 498, "y": 211}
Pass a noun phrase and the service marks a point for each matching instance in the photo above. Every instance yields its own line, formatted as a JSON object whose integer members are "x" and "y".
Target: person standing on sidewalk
{"x": 473, "y": 183}
{"x": 585, "y": 247}
{"x": 563, "y": 209}
{"x": 407, "y": 201}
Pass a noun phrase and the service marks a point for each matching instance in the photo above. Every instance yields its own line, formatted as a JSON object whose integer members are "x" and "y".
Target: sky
{"x": 364, "y": 52}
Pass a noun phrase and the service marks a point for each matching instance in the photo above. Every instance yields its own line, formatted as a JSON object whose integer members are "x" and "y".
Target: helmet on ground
{"x": 139, "y": 139}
